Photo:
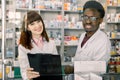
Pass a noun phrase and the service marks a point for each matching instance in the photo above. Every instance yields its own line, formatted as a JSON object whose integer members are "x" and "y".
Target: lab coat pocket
{"x": 84, "y": 57}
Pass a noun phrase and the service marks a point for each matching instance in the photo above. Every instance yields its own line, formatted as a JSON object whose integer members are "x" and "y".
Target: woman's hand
{"x": 32, "y": 74}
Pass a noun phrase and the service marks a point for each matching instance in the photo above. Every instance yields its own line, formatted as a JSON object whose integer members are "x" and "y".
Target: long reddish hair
{"x": 26, "y": 35}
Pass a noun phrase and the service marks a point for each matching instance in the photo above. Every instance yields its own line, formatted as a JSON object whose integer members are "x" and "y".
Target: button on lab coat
{"x": 97, "y": 48}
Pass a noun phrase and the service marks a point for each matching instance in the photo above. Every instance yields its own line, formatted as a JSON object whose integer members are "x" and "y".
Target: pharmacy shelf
{"x": 114, "y": 38}
{"x": 73, "y": 29}
{"x": 75, "y": 12}
{"x": 111, "y": 76}
{"x": 116, "y": 55}
{"x": 34, "y": 9}
{"x": 49, "y": 10}
{"x": 70, "y": 45}
{"x": 25, "y": 9}
{"x": 113, "y": 22}
{"x": 14, "y": 79}
{"x": 113, "y": 6}
{"x": 8, "y": 19}
{"x": 9, "y": 30}
{"x": 53, "y": 28}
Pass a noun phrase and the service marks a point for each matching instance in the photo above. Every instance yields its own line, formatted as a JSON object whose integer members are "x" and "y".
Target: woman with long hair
{"x": 33, "y": 39}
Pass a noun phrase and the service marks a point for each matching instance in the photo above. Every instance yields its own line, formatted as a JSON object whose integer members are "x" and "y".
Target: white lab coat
{"x": 97, "y": 48}
{"x": 49, "y": 47}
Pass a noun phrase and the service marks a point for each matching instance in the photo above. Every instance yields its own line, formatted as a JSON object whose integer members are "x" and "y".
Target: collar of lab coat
{"x": 44, "y": 40}
{"x": 96, "y": 34}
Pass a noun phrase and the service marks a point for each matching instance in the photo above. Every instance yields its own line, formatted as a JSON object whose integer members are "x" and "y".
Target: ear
{"x": 28, "y": 28}
{"x": 100, "y": 20}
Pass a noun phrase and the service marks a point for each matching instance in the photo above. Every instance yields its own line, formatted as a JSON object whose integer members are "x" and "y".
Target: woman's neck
{"x": 36, "y": 36}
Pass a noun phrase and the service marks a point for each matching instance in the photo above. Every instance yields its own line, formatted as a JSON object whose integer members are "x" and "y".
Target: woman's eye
{"x": 38, "y": 21}
{"x": 32, "y": 24}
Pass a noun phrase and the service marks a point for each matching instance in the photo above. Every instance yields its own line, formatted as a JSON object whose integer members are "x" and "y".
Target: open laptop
{"x": 48, "y": 65}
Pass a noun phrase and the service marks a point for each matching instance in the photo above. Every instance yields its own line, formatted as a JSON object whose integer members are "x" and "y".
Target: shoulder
{"x": 83, "y": 34}
{"x": 50, "y": 42}
{"x": 102, "y": 36}
{"x": 103, "y": 40}
{"x": 22, "y": 48}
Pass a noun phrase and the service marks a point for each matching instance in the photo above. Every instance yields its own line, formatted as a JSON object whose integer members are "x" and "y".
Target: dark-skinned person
{"x": 94, "y": 44}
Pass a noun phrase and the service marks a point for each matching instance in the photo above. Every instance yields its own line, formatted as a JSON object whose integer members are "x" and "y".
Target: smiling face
{"x": 32, "y": 27}
{"x": 91, "y": 20}
{"x": 36, "y": 28}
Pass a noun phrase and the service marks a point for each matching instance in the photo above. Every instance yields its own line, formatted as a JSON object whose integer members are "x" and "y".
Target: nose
{"x": 88, "y": 21}
{"x": 36, "y": 25}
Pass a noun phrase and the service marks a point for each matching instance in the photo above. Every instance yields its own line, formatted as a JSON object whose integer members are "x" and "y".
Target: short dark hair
{"x": 96, "y": 5}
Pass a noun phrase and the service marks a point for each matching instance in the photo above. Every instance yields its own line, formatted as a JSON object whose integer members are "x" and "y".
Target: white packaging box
{"x": 95, "y": 77}
{"x": 90, "y": 66}
{"x": 89, "y": 70}
{"x": 78, "y": 77}
{"x": 90, "y": 76}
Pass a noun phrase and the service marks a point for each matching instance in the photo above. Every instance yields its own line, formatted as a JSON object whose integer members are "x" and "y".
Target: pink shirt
{"x": 38, "y": 42}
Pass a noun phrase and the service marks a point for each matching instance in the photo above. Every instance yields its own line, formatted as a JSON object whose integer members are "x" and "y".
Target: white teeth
{"x": 88, "y": 26}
